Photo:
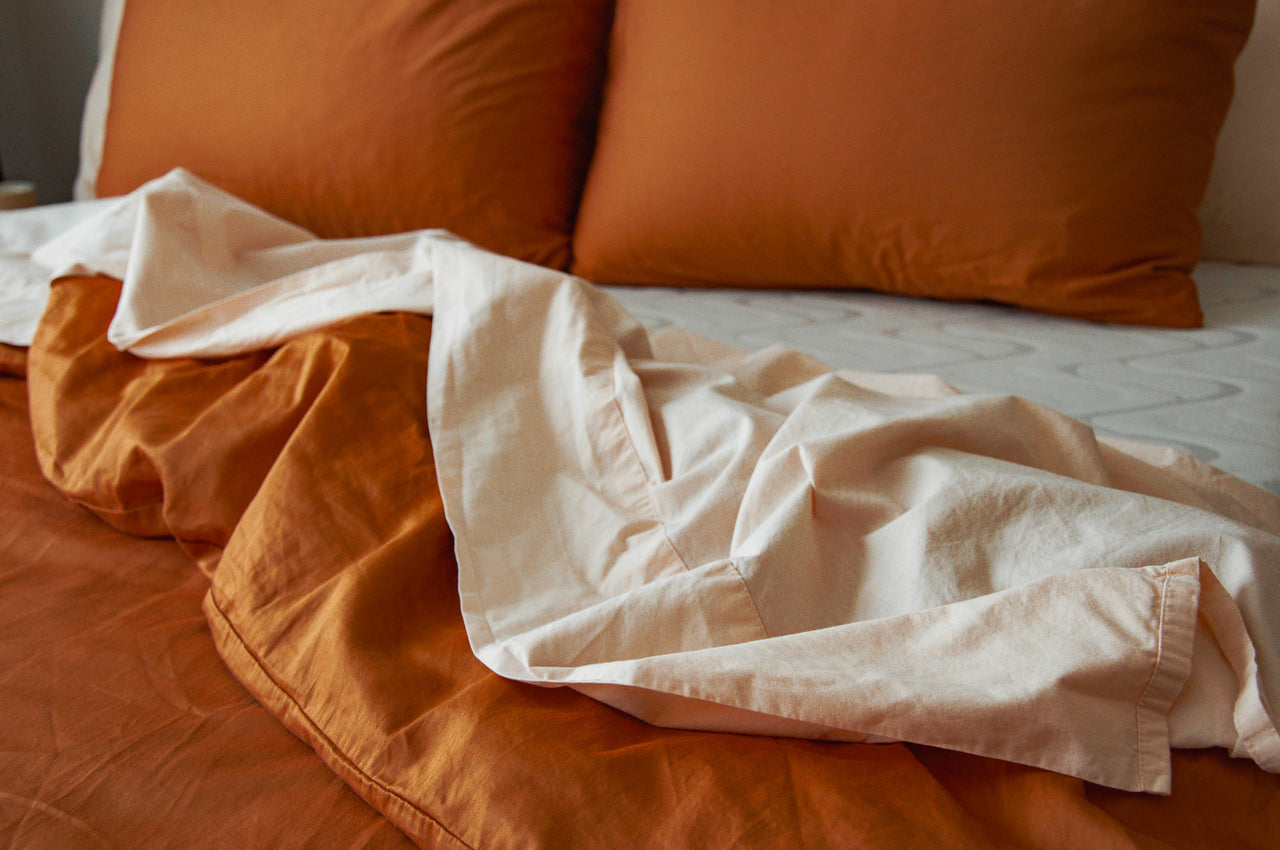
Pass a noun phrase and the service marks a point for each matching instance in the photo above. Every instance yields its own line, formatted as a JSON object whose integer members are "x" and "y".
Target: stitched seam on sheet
{"x": 654, "y": 513}
{"x": 580, "y": 300}
{"x": 317, "y": 730}
{"x": 1155, "y": 672}
{"x": 746, "y": 588}
{"x": 657, "y": 515}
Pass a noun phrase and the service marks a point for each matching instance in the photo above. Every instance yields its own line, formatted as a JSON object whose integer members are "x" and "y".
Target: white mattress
{"x": 1213, "y": 392}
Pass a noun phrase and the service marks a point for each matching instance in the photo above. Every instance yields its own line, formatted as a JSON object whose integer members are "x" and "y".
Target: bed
{"x": 629, "y": 571}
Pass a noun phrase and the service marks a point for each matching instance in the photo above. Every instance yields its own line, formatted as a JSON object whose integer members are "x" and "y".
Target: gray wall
{"x": 47, "y": 52}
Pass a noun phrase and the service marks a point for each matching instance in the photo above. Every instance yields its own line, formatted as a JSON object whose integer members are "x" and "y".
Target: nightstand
{"x": 17, "y": 194}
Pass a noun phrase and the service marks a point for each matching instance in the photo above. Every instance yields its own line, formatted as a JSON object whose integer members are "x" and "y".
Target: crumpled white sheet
{"x": 24, "y": 282}
{"x": 198, "y": 263}
{"x": 713, "y": 539}
{"x": 749, "y": 542}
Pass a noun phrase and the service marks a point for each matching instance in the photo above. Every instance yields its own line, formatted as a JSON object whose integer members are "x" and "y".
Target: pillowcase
{"x": 1052, "y": 158}
{"x": 1241, "y": 210}
{"x": 93, "y": 125}
{"x": 365, "y": 117}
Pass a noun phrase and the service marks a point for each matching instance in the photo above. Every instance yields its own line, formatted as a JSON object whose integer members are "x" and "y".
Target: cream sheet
{"x": 750, "y": 542}
{"x": 24, "y": 283}
{"x": 1212, "y": 392}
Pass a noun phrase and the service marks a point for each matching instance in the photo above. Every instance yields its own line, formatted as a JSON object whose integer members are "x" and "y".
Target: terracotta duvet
{"x": 312, "y": 494}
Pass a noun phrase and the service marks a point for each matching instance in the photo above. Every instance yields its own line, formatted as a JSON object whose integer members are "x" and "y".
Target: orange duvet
{"x": 299, "y": 486}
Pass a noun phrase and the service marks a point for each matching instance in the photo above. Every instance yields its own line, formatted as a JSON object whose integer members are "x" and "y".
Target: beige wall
{"x": 47, "y": 52}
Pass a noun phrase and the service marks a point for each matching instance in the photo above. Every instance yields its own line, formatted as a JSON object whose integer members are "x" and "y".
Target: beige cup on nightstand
{"x": 17, "y": 194}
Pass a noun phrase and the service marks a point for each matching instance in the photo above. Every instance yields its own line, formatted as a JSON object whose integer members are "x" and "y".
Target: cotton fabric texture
{"x": 123, "y": 727}
{"x": 748, "y": 542}
{"x": 952, "y": 150}
{"x": 349, "y": 634}
{"x": 365, "y": 118}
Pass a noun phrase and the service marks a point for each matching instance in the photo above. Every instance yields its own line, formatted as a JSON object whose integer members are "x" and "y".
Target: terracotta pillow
{"x": 1051, "y": 157}
{"x": 363, "y": 117}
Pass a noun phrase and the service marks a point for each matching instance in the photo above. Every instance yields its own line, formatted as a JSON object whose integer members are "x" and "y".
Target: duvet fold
{"x": 698, "y": 536}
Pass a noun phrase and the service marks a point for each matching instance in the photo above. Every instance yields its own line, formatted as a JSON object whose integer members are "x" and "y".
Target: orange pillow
{"x": 363, "y": 117}
{"x": 1050, "y": 156}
